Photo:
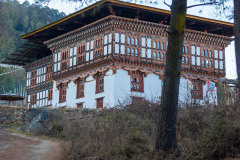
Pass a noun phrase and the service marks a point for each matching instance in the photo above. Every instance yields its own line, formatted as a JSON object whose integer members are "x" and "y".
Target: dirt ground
{"x": 18, "y": 147}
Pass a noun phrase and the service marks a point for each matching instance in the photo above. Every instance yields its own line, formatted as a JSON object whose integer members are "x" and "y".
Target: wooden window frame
{"x": 136, "y": 79}
{"x": 99, "y": 83}
{"x": 197, "y": 91}
{"x": 99, "y": 103}
{"x": 136, "y": 99}
{"x": 80, "y": 88}
{"x": 50, "y": 94}
{"x": 80, "y": 105}
{"x": 62, "y": 93}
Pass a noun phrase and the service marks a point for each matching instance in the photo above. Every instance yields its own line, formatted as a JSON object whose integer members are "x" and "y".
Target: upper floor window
{"x": 65, "y": 55}
{"x": 81, "y": 49}
{"x": 99, "y": 83}
{"x": 81, "y": 59}
{"x": 98, "y": 53}
{"x": 129, "y": 40}
{"x": 162, "y": 46}
{"x": 203, "y": 52}
{"x": 137, "y": 41}
{"x": 210, "y": 53}
{"x": 132, "y": 41}
{"x": 62, "y": 93}
{"x": 33, "y": 77}
{"x": 137, "y": 81}
{"x": 80, "y": 88}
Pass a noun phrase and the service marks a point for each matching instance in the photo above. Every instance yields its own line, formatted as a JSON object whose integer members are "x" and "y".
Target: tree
{"x": 166, "y": 134}
{"x": 237, "y": 39}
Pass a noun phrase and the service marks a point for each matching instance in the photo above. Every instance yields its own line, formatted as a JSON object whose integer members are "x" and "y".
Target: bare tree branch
{"x": 196, "y": 5}
{"x": 167, "y": 4}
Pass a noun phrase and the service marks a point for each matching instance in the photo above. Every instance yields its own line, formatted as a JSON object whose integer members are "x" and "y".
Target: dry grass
{"x": 129, "y": 133}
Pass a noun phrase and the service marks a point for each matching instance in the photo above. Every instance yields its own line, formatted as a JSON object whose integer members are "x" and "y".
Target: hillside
{"x": 16, "y": 20}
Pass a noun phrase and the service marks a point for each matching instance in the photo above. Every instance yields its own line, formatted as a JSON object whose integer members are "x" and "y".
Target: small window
{"x": 158, "y": 56}
{"x": 206, "y": 53}
{"x": 186, "y": 60}
{"x": 137, "y": 99}
{"x": 186, "y": 50}
{"x": 183, "y": 60}
{"x": 203, "y": 62}
{"x": 155, "y": 44}
{"x": 203, "y": 52}
{"x": 162, "y": 46}
{"x": 129, "y": 40}
{"x": 80, "y": 105}
{"x": 158, "y": 45}
{"x": 136, "y": 52}
{"x": 132, "y": 41}
{"x": 210, "y": 53}
{"x": 162, "y": 56}
{"x": 136, "y": 41}
{"x": 99, "y": 103}
{"x": 128, "y": 51}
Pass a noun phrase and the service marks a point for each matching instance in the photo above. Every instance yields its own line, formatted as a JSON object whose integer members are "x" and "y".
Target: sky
{"x": 207, "y": 11}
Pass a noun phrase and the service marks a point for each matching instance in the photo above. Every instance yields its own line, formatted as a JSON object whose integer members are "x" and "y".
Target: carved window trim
{"x": 80, "y": 88}
{"x": 99, "y": 103}
{"x": 197, "y": 91}
{"x": 136, "y": 79}
{"x": 62, "y": 93}
{"x": 99, "y": 82}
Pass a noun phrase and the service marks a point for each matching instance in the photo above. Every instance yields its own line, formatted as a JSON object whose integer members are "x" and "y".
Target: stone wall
{"x": 17, "y": 115}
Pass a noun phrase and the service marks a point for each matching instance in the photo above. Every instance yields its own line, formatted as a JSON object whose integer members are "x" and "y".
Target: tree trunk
{"x": 237, "y": 40}
{"x": 166, "y": 134}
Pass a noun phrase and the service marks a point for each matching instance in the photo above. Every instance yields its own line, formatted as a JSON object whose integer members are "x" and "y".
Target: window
{"x": 203, "y": 52}
{"x": 137, "y": 81}
{"x": 80, "y": 88}
{"x": 136, "y": 41}
{"x": 62, "y": 93}
{"x": 137, "y": 99}
{"x": 158, "y": 45}
{"x": 186, "y": 60}
{"x": 162, "y": 56}
{"x": 210, "y": 54}
{"x": 99, "y": 103}
{"x": 197, "y": 91}
{"x": 203, "y": 62}
{"x": 186, "y": 50}
{"x": 128, "y": 51}
{"x": 206, "y": 53}
{"x": 50, "y": 94}
{"x": 129, "y": 40}
{"x": 33, "y": 99}
{"x": 99, "y": 83}
{"x": 81, "y": 59}
{"x": 132, "y": 41}
{"x": 33, "y": 77}
{"x": 183, "y": 60}
{"x": 80, "y": 105}
{"x": 154, "y": 44}
{"x": 98, "y": 53}
{"x": 162, "y": 46}
{"x": 81, "y": 49}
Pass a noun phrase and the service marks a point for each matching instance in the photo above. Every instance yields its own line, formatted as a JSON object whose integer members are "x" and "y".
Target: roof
{"x": 27, "y": 54}
{"x": 12, "y": 97}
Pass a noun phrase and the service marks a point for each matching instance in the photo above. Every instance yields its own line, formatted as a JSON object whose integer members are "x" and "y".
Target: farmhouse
{"x": 114, "y": 52}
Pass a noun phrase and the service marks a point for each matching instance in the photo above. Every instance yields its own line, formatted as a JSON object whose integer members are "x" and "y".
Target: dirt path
{"x": 18, "y": 147}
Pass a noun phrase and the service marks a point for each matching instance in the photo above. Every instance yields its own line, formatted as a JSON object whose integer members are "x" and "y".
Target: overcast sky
{"x": 207, "y": 12}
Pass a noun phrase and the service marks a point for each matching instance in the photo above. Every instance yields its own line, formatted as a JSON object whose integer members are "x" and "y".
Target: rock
{"x": 40, "y": 124}
{"x": 21, "y": 129}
